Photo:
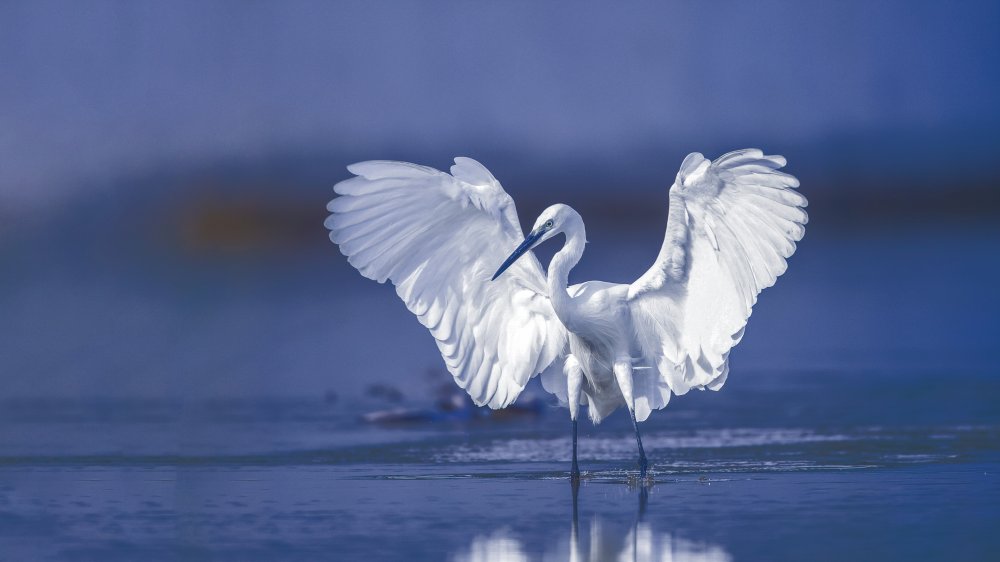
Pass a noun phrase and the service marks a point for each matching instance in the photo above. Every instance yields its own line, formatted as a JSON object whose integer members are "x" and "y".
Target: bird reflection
{"x": 640, "y": 542}
{"x": 499, "y": 546}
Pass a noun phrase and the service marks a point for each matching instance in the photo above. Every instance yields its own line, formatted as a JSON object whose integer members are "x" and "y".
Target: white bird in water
{"x": 453, "y": 247}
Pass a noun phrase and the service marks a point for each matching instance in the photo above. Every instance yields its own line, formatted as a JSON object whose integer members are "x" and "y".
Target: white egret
{"x": 445, "y": 241}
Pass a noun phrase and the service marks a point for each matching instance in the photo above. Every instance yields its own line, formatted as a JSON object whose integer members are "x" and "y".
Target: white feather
{"x": 438, "y": 238}
{"x": 732, "y": 223}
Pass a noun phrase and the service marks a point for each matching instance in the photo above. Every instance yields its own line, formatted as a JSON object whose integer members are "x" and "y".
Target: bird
{"x": 453, "y": 247}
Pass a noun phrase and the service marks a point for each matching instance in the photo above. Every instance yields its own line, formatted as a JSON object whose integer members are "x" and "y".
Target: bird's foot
{"x": 634, "y": 481}
{"x": 644, "y": 478}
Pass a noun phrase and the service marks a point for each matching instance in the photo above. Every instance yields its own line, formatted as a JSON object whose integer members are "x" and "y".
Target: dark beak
{"x": 529, "y": 241}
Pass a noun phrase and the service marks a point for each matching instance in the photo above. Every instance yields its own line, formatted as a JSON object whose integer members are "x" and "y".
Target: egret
{"x": 453, "y": 247}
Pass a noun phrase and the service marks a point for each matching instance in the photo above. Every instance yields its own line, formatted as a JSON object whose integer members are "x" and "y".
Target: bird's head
{"x": 554, "y": 220}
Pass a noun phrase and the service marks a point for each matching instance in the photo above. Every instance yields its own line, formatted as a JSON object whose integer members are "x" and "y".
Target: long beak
{"x": 529, "y": 241}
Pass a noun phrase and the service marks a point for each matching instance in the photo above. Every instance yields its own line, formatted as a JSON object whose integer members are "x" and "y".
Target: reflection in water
{"x": 493, "y": 548}
{"x": 604, "y": 542}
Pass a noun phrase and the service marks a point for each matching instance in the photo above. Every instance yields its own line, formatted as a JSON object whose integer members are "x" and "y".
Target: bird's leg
{"x": 643, "y": 464}
{"x": 623, "y": 375}
{"x": 574, "y": 382}
{"x": 575, "y": 470}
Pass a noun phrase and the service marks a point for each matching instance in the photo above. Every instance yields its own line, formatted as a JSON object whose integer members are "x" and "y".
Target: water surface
{"x": 782, "y": 466}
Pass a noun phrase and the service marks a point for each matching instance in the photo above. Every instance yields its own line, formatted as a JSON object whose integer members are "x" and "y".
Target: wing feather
{"x": 438, "y": 238}
{"x": 732, "y": 224}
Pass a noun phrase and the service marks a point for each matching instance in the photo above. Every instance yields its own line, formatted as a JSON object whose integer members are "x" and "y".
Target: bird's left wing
{"x": 439, "y": 238}
{"x": 731, "y": 225}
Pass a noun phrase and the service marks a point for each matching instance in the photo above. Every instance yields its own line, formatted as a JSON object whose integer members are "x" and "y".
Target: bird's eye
{"x": 548, "y": 223}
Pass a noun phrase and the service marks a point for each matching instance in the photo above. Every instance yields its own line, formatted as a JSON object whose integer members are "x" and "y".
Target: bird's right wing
{"x": 438, "y": 238}
{"x": 731, "y": 225}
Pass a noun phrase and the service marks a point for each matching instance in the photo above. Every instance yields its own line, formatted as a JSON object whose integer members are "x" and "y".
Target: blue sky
{"x": 97, "y": 90}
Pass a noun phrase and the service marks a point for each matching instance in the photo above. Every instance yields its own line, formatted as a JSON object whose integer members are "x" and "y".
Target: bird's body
{"x": 598, "y": 342}
{"x": 438, "y": 237}
{"x": 600, "y": 335}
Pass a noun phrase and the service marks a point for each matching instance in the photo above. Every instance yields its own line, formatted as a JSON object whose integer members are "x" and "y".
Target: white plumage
{"x": 439, "y": 237}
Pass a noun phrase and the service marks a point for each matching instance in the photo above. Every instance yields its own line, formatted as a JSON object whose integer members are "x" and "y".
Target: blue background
{"x": 186, "y": 360}
{"x": 165, "y": 167}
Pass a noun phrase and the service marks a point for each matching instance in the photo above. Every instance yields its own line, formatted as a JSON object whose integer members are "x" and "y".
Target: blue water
{"x": 782, "y": 466}
{"x": 156, "y": 406}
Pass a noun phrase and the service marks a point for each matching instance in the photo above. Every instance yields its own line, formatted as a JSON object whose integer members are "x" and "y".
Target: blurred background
{"x": 164, "y": 169}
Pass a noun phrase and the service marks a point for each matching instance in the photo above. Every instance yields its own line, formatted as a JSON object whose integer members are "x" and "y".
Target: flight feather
{"x": 731, "y": 225}
{"x": 438, "y": 238}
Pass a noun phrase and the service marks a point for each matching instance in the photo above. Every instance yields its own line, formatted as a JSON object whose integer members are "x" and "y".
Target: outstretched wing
{"x": 439, "y": 238}
{"x": 732, "y": 224}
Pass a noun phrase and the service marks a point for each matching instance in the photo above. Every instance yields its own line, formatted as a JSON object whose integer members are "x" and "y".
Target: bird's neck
{"x": 559, "y": 268}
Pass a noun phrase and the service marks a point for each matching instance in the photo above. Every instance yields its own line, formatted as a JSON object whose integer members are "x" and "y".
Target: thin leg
{"x": 575, "y": 473}
{"x": 574, "y": 387}
{"x": 576, "y": 494}
{"x": 623, "y": 375}
{"x": 643, "y": 464}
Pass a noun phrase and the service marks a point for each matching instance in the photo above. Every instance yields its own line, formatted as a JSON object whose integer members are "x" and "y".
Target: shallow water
{"x": 780, "y": 466}
{"x": 861, "y": 420}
